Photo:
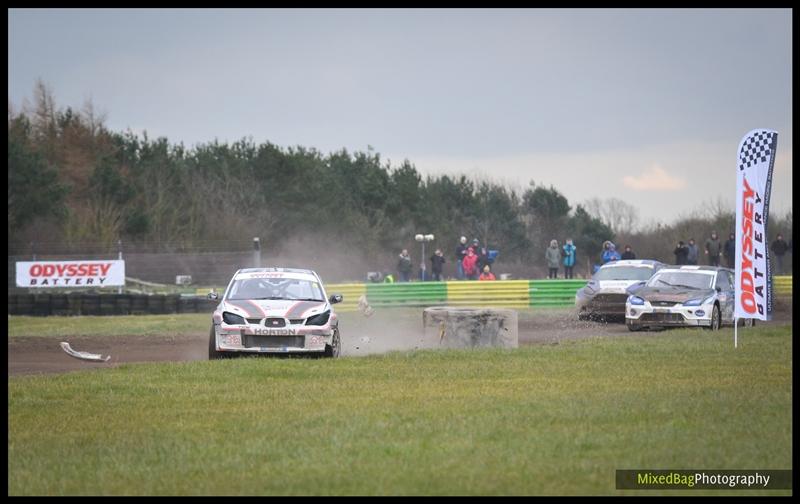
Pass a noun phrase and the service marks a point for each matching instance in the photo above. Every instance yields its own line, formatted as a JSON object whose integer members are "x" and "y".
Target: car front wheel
{"x": 335, "y": 348}
{"x": 212, "y": 346}
{"x": 715, "y": 320}
{"x": 633, "y": 328}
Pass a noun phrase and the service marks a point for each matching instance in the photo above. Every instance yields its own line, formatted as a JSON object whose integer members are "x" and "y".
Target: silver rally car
{"x": 274, "y": 310}
{"x": 605, "y": 294}
{"x": 684, "y": 296}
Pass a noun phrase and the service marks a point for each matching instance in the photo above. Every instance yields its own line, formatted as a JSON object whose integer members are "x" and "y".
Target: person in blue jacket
{"x": 568, "y": 253}
{"x": 610, "y": 254}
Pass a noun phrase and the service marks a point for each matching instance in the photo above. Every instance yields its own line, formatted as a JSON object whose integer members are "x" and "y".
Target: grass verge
{"x": 538, "y": 420}
{"x": 118, "y": 325}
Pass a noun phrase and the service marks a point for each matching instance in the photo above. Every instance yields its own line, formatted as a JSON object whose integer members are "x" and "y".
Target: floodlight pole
{"x": 256, "y": 252}
{"x": 119, "y": 249}
{"x": 422, "y": 239}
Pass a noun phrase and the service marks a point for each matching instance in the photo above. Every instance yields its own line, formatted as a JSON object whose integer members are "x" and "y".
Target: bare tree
{"x": 621, "y": 217}
{"x": 93, "y": 118}
{"x": 44, "y": 113}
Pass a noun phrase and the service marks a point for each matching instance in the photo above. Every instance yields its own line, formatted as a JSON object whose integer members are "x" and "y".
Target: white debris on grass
{"x": 83, "y": 355}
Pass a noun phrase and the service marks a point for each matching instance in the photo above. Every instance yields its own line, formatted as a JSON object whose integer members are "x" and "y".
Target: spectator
{"x": 461, "y": 251}
{"x": 779, "y": 247}
{"x": 404, "y": 266}
{"x": 681, "y": 253}
{"x": 568, "y": 253}
{"x": 611, "y": 254}
{"x": 437, "y": 260}
{"x": 487, "y": 274}
{"x": 553, "y": 257}
{"x": 693, "y": 253}
{"x": 729, "y": 250}
{"x": 482, "y": 253}
{"x": 470, "y": 264}
{"x": 628, "y": 254}
{"x": 713, "y": 249}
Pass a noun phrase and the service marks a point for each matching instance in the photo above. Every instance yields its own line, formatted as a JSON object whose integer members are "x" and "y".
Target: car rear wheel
{"x": 715, "y": 320}
{"x": 335, "y": 348}
{"x": 212, "y": 346}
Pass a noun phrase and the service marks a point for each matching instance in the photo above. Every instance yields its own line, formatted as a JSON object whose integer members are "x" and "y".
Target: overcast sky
{"x": 644, "y": 105}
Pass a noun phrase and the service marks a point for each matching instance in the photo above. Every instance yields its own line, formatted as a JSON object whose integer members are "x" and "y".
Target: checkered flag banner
{"x": 757, "y": 146}
{"x": 755, "y": 161}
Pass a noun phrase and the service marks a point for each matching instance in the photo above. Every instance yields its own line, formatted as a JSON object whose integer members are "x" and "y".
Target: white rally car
{"x": 274, "y": 310}
{"x": 684, "y": 296}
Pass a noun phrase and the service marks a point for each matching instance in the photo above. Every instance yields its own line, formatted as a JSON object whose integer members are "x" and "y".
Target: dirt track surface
{"x": 360, "y": 336}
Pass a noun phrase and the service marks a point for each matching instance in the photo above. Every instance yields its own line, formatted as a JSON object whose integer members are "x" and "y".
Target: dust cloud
{"x": 387, "y": 330}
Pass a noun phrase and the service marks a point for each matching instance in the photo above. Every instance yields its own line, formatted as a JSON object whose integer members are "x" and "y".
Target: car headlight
{"x": 319, "y": 319}
{"x": 232, "y": 318}
{"x": 635, "y": 300}
{"x": 698, "y": 301}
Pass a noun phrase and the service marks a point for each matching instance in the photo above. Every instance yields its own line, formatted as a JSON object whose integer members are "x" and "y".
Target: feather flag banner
{"x": 755, "y": 161}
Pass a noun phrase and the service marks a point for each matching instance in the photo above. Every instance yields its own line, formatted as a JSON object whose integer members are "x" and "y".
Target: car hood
{"x": 260, "y": 308}
{"x": 614, "y": 286}
{"x": 672, "y": 294}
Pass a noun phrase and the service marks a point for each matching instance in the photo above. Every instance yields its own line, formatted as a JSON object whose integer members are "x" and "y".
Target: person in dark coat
{"x": 694, "y": 252}
{"x": 482, "y": 252}
{"x": 713, "y": 249}
{"x": 681, "y": 253}
{"x": 729, "y": 250}
{"x": 461, "y": 251}
{"x": 437, "y": 261}
{"x": 404, "y": 266}
{"x": 628, "y": 254}
{"x": 779, "y": 248}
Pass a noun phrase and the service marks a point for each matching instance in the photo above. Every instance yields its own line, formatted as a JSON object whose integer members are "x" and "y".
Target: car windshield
{"x": 276, "y": 288}
{"x": 685, "y": 279}
{"x": 624, "y": 273}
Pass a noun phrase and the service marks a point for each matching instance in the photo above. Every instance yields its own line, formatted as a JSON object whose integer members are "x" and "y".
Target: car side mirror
{"x": 213, "y": 296}
{"x": 335, "y": 298}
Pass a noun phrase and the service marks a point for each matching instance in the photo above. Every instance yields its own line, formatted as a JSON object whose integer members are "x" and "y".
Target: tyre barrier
{"x": 499, "y": 293}
{"x": 467, "y": 327}
{"x": 106, "y": 304}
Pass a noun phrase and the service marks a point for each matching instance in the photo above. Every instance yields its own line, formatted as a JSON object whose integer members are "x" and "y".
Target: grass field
{"x": 123, "y": 325}
{"x": 538, "y": 420}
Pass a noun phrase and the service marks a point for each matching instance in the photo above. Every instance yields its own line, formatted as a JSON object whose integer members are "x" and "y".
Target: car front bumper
{"x": 671, "y": 316}
{"x": 252, "y": 338}
{"x": 602, "y": 304}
